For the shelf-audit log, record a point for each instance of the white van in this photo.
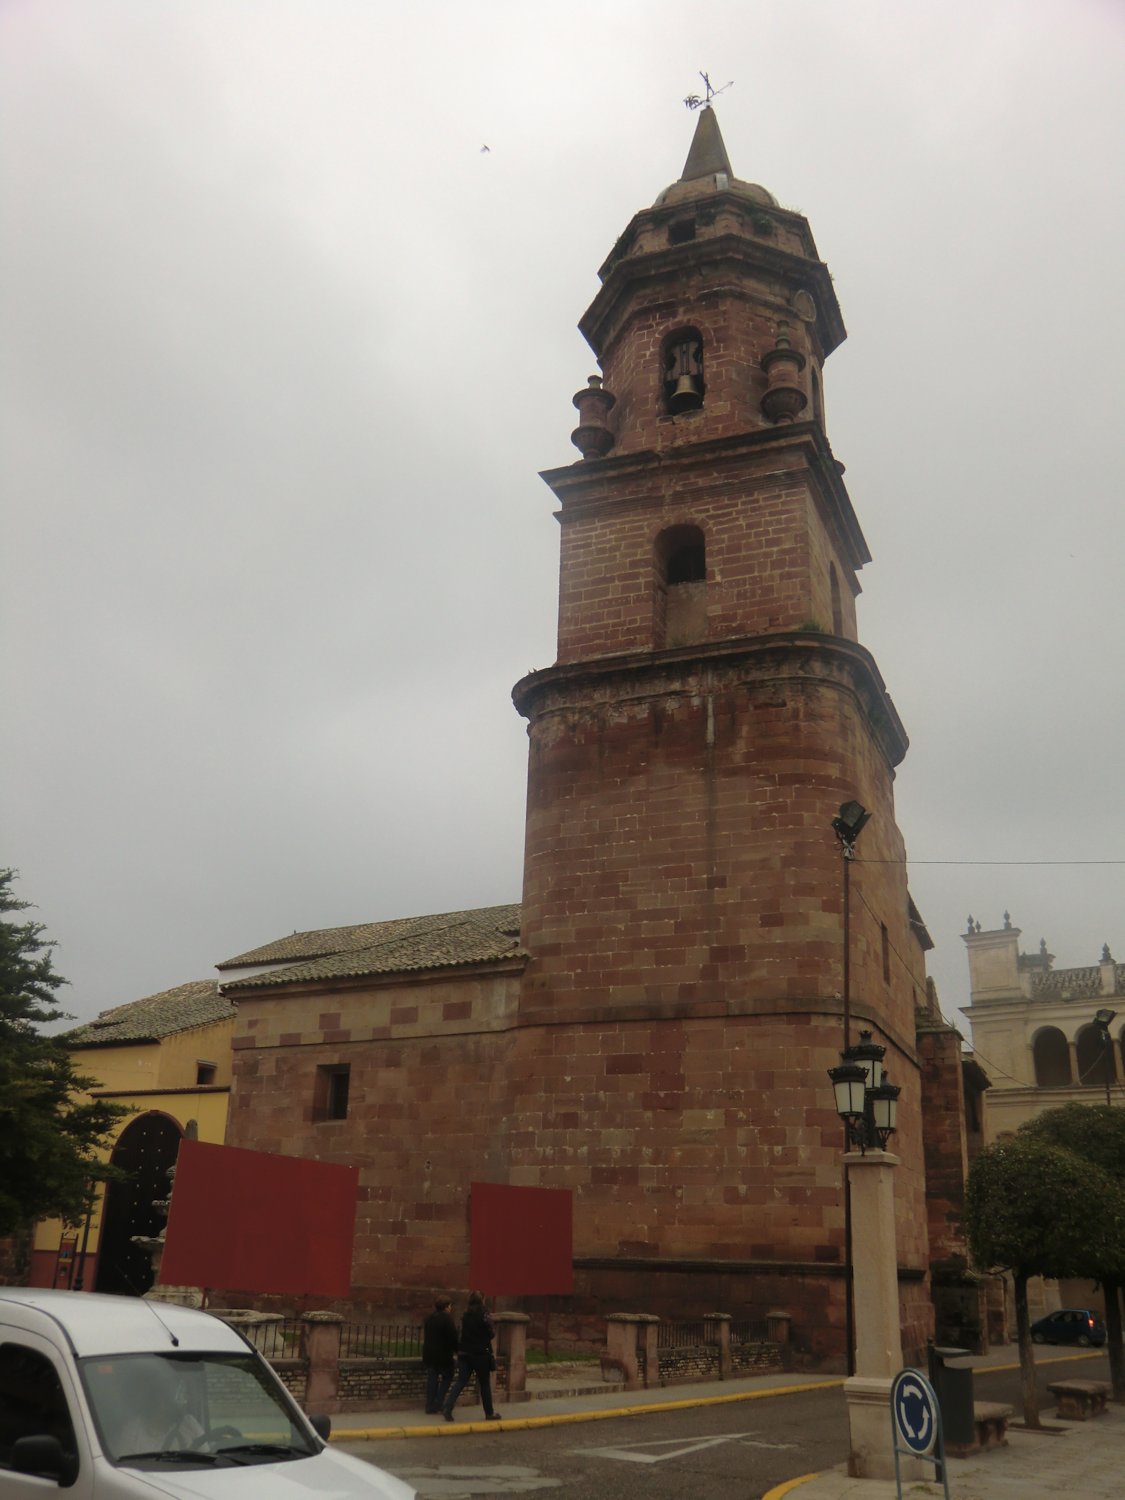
(116, 1398)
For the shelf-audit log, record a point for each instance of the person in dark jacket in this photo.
(439, 1349)
(474, 1357)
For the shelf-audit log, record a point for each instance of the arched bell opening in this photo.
(683, 385)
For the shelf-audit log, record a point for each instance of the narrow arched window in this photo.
(681, 587)
(837, 609)
(682, 380)
(1051, 1054)
(817, 404)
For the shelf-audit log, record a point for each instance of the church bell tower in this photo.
(709, 710)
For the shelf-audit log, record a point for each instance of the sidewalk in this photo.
(1085, 1460)
(1081, 1459)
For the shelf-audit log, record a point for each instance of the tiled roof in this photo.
(447, 940)
(181, 1009)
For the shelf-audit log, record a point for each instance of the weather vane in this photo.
(693, 101)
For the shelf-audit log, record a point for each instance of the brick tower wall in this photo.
(768, 549)
(683, 912)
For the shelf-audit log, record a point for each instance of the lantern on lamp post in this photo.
(866, 1100)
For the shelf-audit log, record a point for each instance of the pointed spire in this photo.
(708, 155)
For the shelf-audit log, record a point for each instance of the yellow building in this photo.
(167, 1059)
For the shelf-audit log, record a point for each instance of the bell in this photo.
(686, 395)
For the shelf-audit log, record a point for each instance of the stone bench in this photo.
(1079, 1399)
(991, 1421)
(990, 1428)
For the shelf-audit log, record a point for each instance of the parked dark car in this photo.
(1070, 1325)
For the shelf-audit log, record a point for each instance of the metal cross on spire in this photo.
(693, 101)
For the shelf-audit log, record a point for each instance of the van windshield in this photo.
(191, 1410)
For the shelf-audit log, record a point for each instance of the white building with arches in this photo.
(1037, 1030)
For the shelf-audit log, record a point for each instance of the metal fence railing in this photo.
(743, 1331)
(281, 1340)
(685, 1335)
(380, 1341)
(703, 1331)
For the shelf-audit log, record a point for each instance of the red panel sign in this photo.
(520, 1240)
(250, 1221)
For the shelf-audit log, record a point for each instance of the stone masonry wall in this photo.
(426, 1116)
(947, 1166)
(771, 531)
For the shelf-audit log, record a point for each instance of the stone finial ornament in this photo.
(1107, 956)
(592, 436)
(1007, 921)
(783, 399)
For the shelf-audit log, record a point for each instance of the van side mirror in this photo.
(44, 1455)
(322, 1426)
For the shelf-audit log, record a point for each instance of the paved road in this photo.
(712, 1451)
(742, 1449)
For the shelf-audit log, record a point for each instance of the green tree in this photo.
(1028, 1212)
(1095, 1132)
(49, 1129)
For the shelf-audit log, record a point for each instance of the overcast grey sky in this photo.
(284, 350)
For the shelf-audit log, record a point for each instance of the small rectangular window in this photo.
(681, 231)
(205, 1072)
(331, 1101)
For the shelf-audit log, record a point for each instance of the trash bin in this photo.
(953, 1385)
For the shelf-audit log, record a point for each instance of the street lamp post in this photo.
(1102, 1021)
(847, 825)
(867, 1104)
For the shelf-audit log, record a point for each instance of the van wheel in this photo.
(1037, 1338)
(1084, 1340)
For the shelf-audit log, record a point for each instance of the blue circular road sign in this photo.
(914, 1406)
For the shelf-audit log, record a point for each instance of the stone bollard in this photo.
(716, 1330)
(320, 1349)
(647, 1324)
(511, 1346)
(623, 1333)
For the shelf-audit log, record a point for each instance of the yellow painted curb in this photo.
(790, 1484)
(561, 1419)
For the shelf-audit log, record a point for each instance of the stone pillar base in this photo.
(871, 1454)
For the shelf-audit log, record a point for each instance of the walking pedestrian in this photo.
(474, 1357)
(439, 1349)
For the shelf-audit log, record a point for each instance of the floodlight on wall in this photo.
(849, 823)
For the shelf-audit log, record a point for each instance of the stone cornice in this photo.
(785, 656)
(640, 475)
(682, 1265)
(689, 263)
